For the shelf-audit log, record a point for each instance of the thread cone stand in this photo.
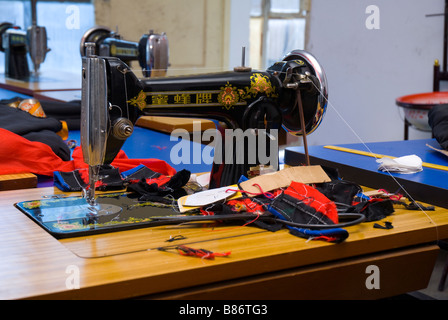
(302, 124)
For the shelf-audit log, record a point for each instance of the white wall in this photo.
(368, 69)
(239, 32)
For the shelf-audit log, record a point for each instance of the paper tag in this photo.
(203, 198)
(186, 204)
(283, 178)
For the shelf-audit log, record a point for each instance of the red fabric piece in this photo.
(313, 198)
(123, 163)
(20, 155)
(201, 253)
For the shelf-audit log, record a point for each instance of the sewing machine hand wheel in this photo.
(300, 71)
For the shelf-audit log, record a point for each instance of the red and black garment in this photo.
(303, 204)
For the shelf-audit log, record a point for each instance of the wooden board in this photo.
(47, 80)
(17, 181)
(169, 124)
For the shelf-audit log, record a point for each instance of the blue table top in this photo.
(6, 94)
(364, 169)
(145, 143)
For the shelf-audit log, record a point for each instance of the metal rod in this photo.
(302, 124)
(445, 30)
(34, 12)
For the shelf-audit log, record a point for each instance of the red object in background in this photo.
(423, 100)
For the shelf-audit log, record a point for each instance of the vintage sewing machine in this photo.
(151, 51)
(16, 43)
(291, 94)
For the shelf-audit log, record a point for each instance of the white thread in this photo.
(370, 151)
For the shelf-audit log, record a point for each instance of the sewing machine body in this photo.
(14, 45)
(241, 99)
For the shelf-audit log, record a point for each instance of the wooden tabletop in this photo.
(127, 264)
(46, 80)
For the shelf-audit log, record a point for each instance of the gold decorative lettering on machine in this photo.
(227, 97)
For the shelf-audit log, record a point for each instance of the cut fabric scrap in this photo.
(20, 155)
(199, 253)
(374, 209)
(142, 182)
(33, 128)
(306, 205)
(77, 180)
(156, 187)
(406, 164)
(387, 225)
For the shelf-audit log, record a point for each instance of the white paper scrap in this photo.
(406, 164)
(203, 198)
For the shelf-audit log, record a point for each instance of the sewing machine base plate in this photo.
(67, 217)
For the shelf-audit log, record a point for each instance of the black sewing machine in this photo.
(16, 43)
(291, 94)
(151, 51)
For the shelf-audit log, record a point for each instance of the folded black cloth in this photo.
(70, 111)
(51, 139)
(34, 129)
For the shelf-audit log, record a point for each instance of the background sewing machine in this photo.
(16, 43)
(151, 51)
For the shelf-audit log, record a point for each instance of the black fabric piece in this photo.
(70, 112)
(143, 173)
(110, 178)
(297, 211)
(152, 192)
(414, 206)
(374, 210)
(51, 139)
(438, 121)
(273, 227)
(34, 129)
(21, 122)
(339, 191)
(177, 181)
(387, 225)
(69, 181)
(332, 173)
